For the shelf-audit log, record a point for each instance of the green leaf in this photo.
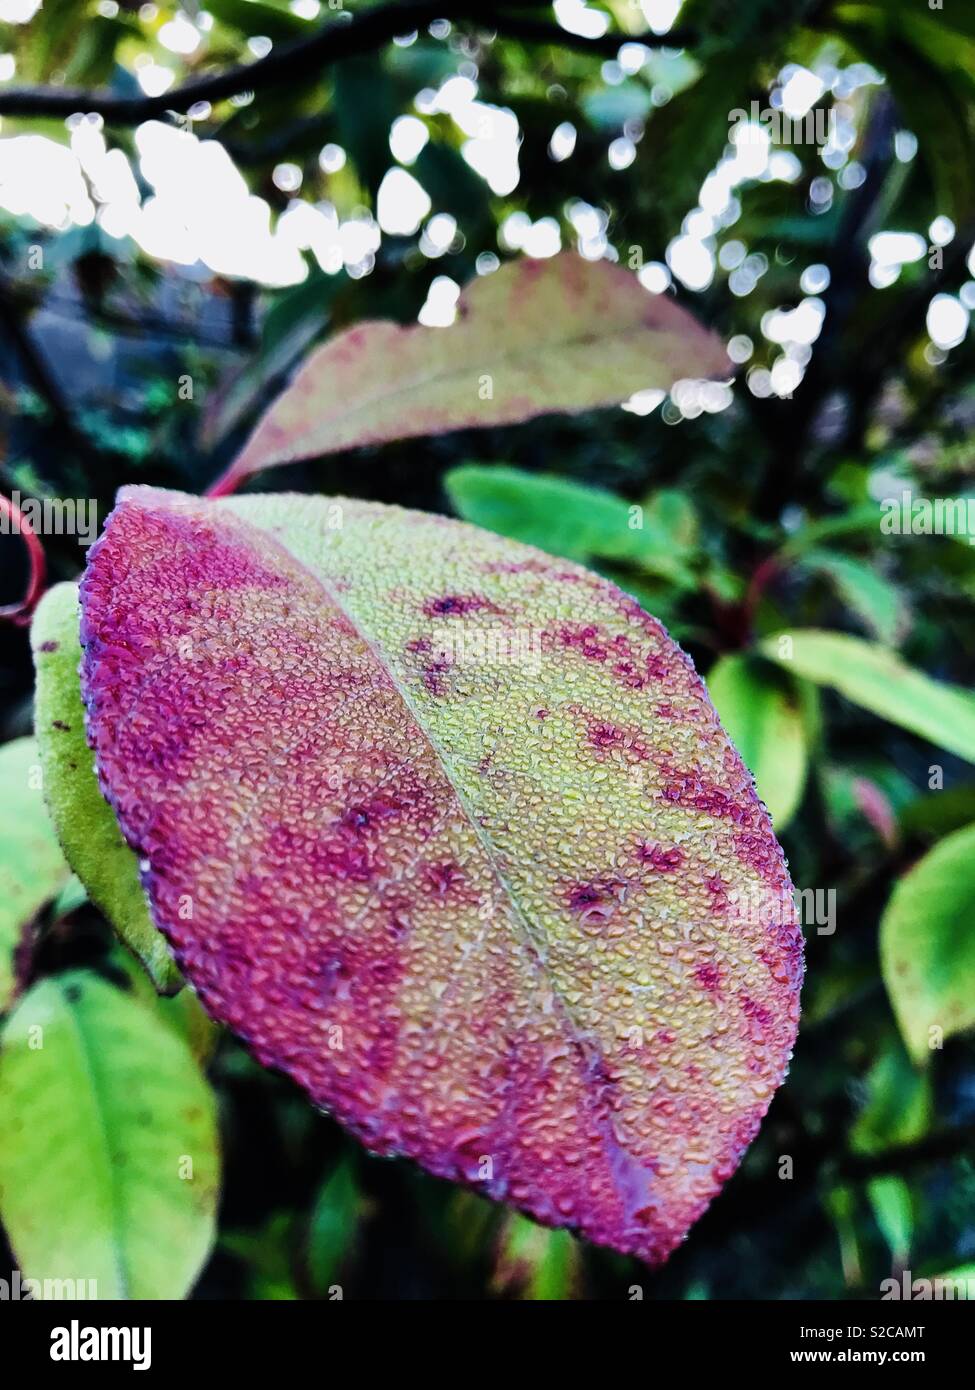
(672, 512)
(879, 681)
(332, 1226)
(536, 337)
(269, 1256)
(866, 593)
(452, 185)
(73, 895)
(893, 1207)
(927, 946)
(365, 105)
(258, 17)
(934, 98)
(109, 1166)
(425, 63)
(182, 1012)
(536, 1264)
(53, 36)
(562, 517)
(899, 1104)
(938, 813)
(841, 1204)
(963, 1279)
(945, 22)
(32, 868)
(762, 709)
(83, 820)
(859, 520)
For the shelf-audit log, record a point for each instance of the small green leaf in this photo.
(32, 867)
(365, 106)
(937, 813)
(82, 818)
(109, 1164)
(864, 592)
(858, 520)
(841, 1204)
(879, 681)
(762, 709)
(535, 1263)
(893, 1208)
(963, 1279)
(563, 517)
(927, 946)
(268, 1254)
(183, 1012)
(898, 1107)
(673, 512)
(73, 895)
(452, 184)
(259, 17)
(332, 1226)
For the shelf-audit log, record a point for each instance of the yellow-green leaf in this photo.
(84, 821)
(762, 709)
(877, 679)
(927, 945)
(109, 1164)
(877, 602)
(535, 1264)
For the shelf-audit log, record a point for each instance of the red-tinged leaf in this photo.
(562, 334)
(447, 830)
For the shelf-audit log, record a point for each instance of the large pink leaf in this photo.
(447, 830)
(563, 334)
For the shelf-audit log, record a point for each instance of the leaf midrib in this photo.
(84, 1054)
(584, 1041)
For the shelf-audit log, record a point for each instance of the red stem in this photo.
(20, 613)
(227, 483)
(760, 580)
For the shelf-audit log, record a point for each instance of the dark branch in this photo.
(304, 59)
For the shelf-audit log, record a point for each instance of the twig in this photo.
(20, 613)
(304, 59)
